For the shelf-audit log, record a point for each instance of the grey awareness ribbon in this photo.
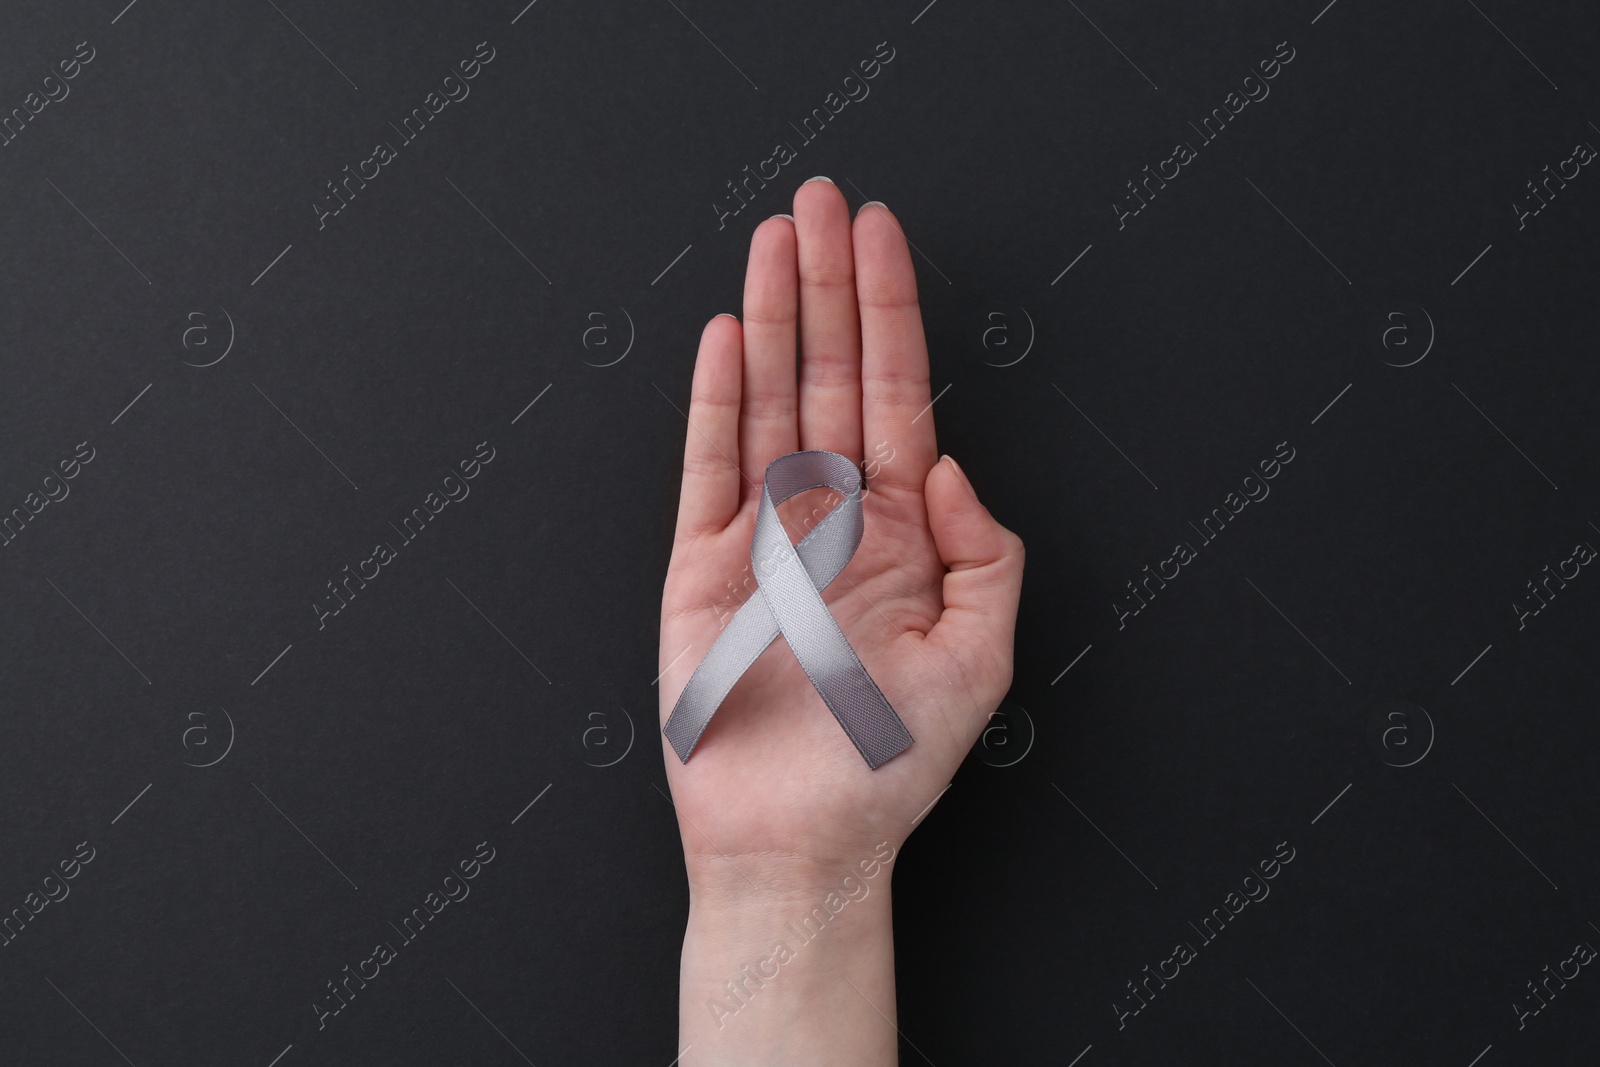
(788, 600)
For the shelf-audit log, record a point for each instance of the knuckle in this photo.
(701, 462)
(770, 314)
(826, 274)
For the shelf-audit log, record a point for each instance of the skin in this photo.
(776, 807)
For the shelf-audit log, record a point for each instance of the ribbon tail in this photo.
(747, 635)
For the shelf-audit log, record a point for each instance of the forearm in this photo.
(793, 977)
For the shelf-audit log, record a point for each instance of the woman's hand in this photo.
(775, 805)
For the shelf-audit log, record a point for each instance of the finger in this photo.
(767, 422)
(983, 586)
(895, 402)
(830, 327)
(711, 476)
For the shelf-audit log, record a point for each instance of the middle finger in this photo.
(830, 325)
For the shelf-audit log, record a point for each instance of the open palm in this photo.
(830, 355)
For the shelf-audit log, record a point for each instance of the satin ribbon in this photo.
(788, 600)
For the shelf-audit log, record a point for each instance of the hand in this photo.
(775, 797)
(777, 810)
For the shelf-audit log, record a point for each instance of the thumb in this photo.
(984, 582)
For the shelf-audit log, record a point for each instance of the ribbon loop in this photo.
(788, 600)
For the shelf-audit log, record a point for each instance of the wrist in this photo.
(793, 965)
(752, 881)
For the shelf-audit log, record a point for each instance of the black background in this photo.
(525, 239)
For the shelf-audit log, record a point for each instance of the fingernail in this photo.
(818, 178)
(784, 215)
(729, 314)
(872, 203)
(961, 474)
